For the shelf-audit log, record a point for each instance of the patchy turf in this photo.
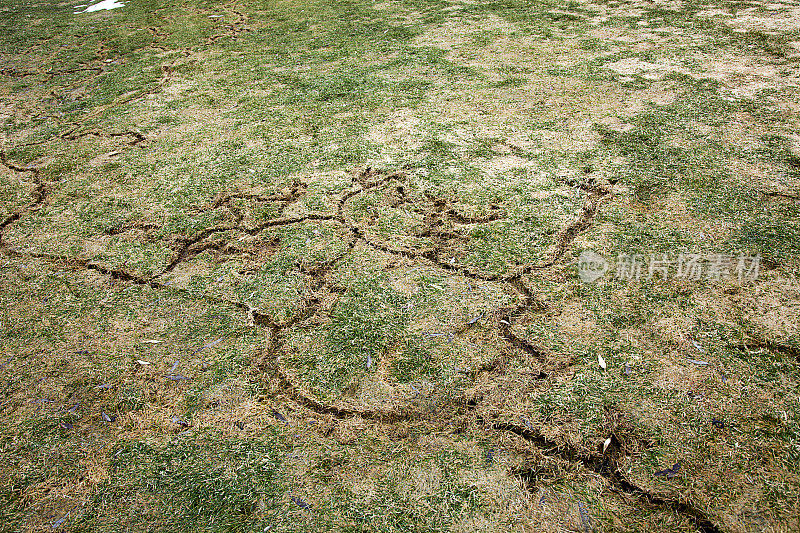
(306, 266)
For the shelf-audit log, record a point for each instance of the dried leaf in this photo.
(209, 345)
(669, 473)
(61, 520)
(300, 503)
(475, 319)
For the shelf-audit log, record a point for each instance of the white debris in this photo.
(105, 4)
(698, 346)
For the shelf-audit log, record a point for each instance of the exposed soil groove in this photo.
(770, 346)
(233, 29)
(293, 194)
(701, 521)
(116, 274)
(285, 221)
(589, 210)
(341, 412)
(137, 137)
(125, 228)
(192, 251)
(606, 466)
(565, 237)
(82, 264)
(366, 180)
(13, 166)
(39, 193)
(363, 182)
(6, 221)
(167, 71)
(784, 195)
(192, 247)
(120, 274)
(401, 252)
(311, 306)
(13, 73)
(543, 445)
(319, 272)
(433, 257)
(462, 219)
(522, 344)
(433, 223)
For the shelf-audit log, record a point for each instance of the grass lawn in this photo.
(322, 266)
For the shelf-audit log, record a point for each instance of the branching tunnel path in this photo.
(438, 214)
